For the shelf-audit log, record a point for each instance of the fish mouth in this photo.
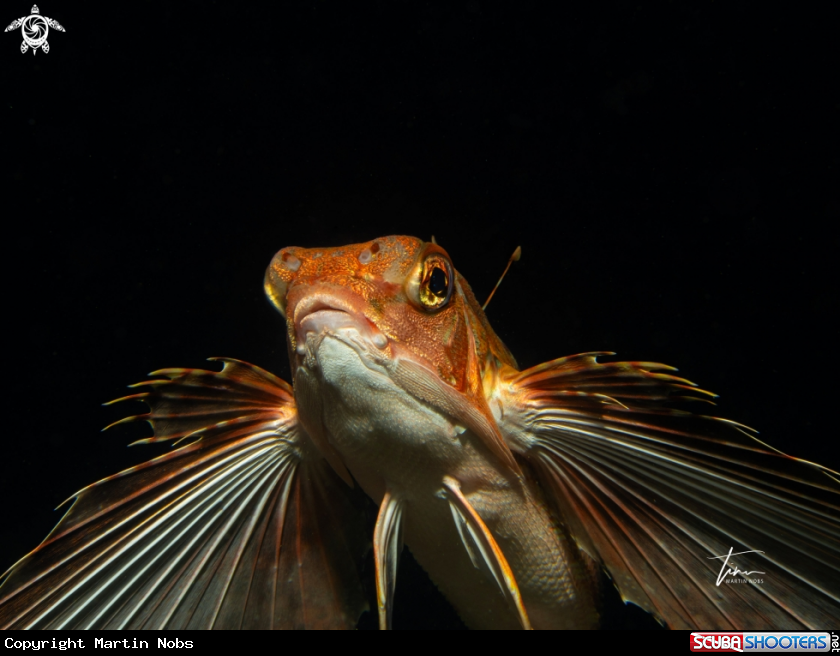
(320, 316)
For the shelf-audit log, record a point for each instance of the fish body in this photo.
(515, 490)
(351, 321)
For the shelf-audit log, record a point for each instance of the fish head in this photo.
(399, 295)
(379, 327)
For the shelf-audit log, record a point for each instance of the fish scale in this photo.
(381, 452)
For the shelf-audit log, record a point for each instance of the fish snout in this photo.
(279, 275)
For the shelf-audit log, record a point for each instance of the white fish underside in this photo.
(382, 433)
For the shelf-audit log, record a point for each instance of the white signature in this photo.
(725, 571)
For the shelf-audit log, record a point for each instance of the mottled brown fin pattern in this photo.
(243, 527)
(658, 495)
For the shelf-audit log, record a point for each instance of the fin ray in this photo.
(476, 537)
(658, 494)
(387, 546)
(203, 536)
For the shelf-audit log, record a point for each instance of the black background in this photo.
(670, 170)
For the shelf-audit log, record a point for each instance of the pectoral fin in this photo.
(245, 526)
(660, 495)
(387, 546)
(483, 549)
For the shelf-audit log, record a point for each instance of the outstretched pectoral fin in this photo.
(245, 526)
(387, 546)
(660, 495)
(482, 548)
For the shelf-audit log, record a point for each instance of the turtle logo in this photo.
(35, 29)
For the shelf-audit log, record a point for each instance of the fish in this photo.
(523, 493)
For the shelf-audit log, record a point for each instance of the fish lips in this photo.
(316, 318)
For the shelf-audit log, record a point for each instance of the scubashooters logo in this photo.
(34, 29)
(754, 641)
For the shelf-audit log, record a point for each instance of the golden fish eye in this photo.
(435, 282)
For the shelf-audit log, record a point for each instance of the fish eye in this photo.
(438, 282)
(435, 282)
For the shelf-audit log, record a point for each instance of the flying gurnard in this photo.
(521, 493)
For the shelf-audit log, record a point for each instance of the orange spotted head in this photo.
(399, 293)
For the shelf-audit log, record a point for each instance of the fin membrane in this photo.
(660, 495)
(245, 526)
